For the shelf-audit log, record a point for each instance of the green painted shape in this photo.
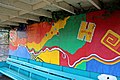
(81, 66)
(67, 39)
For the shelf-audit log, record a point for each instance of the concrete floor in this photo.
(5, 78)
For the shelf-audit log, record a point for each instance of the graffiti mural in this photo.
(52, 56)
(86, 33)
(86, 41)
(17, 44)
(112, 41)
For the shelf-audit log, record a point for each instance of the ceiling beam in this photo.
(18, 20)
(95, 3)
(30, 17)
(10, 12)
(65, 6)
(15, 8)
(42, 12)
(39, 5)
(23, 8)
(39, 12)
(62, 5)
(10, 23)
(59, 0)
(15, 4)
(4, 17)
(10, 7)
(31, 2)
(3, 25)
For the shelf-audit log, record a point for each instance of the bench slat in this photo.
(20, 76)
(60, 73)
(9, 74)
(46, 75)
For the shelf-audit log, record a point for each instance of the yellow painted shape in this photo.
(117, 43)
(49, 57)
(86, 32)
(57, 26)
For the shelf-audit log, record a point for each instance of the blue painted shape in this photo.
(99, 67)
(35, 62)
(76, 71)
(52, 66)
(20, 52)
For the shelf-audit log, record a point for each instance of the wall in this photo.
(4, 44)
(87, 41)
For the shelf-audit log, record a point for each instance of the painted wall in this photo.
(87, 41)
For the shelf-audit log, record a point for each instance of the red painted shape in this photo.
(36, 32)
(11, 47)
(104, 21)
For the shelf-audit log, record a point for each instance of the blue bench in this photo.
(24, 69)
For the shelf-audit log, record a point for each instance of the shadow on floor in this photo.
(5, 78)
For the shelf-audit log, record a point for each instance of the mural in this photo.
(85, 32)
(106, 77)
(87, 41)
(17, 44)
(112, 41)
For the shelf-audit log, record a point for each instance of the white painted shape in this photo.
(106, 77)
